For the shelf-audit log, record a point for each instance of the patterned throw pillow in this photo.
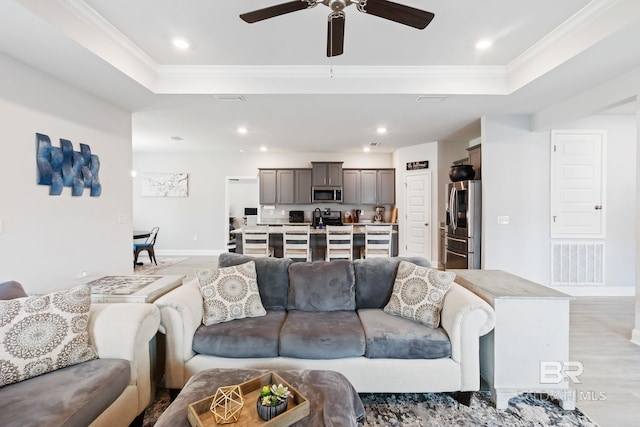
(418, 293)
(40, 334)
(230, 293)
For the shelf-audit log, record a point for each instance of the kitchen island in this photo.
(319, 240)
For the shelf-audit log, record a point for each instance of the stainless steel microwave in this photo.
(327, 194)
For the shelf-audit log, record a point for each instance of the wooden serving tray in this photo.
(199, 414)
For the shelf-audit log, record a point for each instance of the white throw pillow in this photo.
(230, 293)
(418, 293)
(40, 334)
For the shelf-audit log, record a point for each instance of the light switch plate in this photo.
(503, 220)
(1, 229)
(122, 218)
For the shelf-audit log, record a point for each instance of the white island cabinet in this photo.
(528, 350)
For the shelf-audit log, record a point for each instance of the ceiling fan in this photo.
(400, 13)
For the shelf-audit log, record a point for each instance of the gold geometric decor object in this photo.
(227, 404)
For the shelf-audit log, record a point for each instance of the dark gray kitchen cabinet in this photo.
(369, 186)
(303, 186)
(285, 185)
(351, 186)
(386, 186)
(327, 174)
(267, 179)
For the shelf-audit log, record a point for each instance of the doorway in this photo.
(417, 235)
(240, 192)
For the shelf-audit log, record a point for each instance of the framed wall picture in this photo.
(165, 184)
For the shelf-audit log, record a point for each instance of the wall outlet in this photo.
(195, 237)
(1, 228)
(503, 219)
(123, 218)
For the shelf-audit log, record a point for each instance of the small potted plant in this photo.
(272, 401)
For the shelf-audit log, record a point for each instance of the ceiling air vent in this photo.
(431, 98)
(229, 98)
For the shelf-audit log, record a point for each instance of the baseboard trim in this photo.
(189, 252)
(597, 291)
(635, 336)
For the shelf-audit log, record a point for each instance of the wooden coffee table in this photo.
(333, 400)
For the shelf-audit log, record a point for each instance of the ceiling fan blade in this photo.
(335, 34)
(399, 13)
(277, 10)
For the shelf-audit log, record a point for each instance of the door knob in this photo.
(598, 207)
(426, 224)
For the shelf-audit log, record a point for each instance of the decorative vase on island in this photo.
(268, 412)
(461, 173)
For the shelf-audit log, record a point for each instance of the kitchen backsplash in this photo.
(280, 213)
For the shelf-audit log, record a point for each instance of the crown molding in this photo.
(593, 23)
(332, 79)
(96, 21)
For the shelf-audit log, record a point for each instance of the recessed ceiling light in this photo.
(381, 130)
(177, 138)
(366, 149)
(181, 43)
(242, 130)
(484, 44)
(263, 148)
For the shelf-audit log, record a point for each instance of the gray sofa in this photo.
(113, 390)
(329, 315)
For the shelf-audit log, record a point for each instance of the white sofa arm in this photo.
(123, 331)
(181, 313)
(466, 317)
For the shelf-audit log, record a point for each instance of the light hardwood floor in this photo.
(609, 392)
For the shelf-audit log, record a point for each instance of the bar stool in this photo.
(377, 241)
(295, 242)
(255, 241)
(339, 242)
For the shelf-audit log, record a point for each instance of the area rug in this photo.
(150, 268)
(441, 410)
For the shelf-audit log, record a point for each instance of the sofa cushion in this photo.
(322, 286)
(11, 290)
(375, 278)
(250, 337)
(394, 337)
(40, 334)
(273, 277)
(73, 396)
(230, 293)
(418, 293)
(322, 335)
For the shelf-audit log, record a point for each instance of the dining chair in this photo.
(377, 241)
(295, 242)
(339, 242)
(255, 241)
(148, 246)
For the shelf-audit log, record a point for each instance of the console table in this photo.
(532, 328)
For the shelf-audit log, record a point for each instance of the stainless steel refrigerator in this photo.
(464, 224)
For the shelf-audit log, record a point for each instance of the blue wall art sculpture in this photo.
(62, 167)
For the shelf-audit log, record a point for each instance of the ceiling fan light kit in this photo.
(385, 9)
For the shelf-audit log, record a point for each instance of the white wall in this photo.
(429, 152)
(515, 172)
(203, 212)
(515, 182)
(47, 241)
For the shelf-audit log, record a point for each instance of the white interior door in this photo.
(418, 215)
(577, 183)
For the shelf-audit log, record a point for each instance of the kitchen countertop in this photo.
(276, 229)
